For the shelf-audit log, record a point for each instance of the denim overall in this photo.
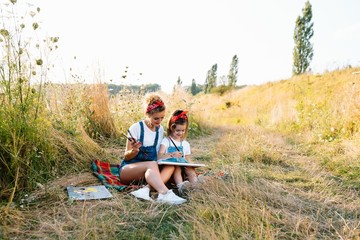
(147, 153)
(172, 149)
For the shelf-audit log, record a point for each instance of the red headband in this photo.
(154, 105)
(182, 115)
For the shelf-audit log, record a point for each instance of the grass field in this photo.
(260, 185)
(282, 162)
(282, 159)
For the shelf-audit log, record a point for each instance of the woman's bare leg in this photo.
(136, 171)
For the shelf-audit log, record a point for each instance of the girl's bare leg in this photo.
(136, 171)
(191, 174)
(177, 175)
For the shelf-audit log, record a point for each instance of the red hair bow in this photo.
(154, 105)
(182, 115)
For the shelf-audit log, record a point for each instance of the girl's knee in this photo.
(168, 168)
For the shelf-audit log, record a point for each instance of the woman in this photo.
(141, 151)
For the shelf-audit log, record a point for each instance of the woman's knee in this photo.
(153, 165)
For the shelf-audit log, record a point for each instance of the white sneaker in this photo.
(142, 193)
(170, 198)
(183, 186)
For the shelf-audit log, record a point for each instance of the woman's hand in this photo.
(136, 147)
(133, 148)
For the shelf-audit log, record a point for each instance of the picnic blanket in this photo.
(108, 174)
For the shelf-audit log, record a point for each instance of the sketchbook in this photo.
(87, 193)
(170, 161)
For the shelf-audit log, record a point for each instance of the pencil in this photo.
(132, 139)
(176, 146)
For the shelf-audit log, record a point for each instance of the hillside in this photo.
(332, 99)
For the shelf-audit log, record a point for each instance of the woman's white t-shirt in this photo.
(149, 136)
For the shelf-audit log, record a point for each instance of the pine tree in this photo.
(232, 76)
(303, 50)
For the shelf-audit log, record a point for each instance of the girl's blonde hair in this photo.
(178, 117)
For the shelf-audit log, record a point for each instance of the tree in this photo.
(151, 87)
(211, 78)
(232, 76)
(179, 82)
(303, 50)
(193, 87)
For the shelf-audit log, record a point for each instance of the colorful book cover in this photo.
(87, 193)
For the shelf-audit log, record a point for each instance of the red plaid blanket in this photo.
(108, 174)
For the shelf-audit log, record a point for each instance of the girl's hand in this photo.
(176, 154)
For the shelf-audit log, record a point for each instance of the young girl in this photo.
(177, 129)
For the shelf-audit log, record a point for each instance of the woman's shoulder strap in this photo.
(141, 131)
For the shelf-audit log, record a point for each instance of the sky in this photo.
(158, 41)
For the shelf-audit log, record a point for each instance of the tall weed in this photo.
(27, 154)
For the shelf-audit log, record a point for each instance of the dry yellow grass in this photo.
(269, 173)
(103, 121)
(279, 193)
(313, 102)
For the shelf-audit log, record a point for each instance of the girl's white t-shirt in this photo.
(149, 136)
(185, 144)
